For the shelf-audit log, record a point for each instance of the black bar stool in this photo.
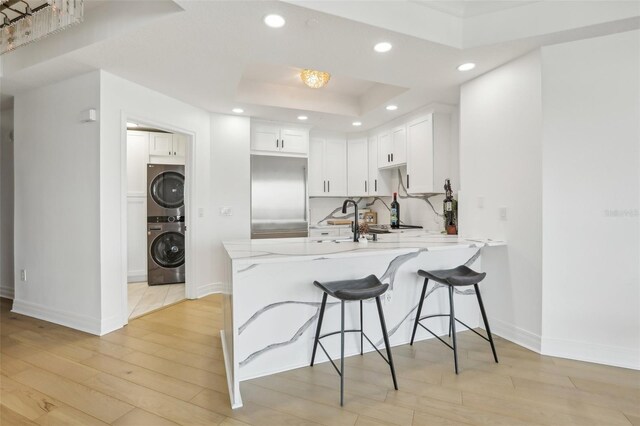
(457, 277)
(352, 290)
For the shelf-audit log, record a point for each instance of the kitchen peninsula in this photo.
(271, 305)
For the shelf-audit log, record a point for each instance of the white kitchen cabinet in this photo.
(379, 180)
(167, 148)
(392, 147)
(358, 168)
(327, 167)
(269, 138)
(428, 153)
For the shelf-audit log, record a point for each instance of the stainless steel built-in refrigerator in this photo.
(278, 197)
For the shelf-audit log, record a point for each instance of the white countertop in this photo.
(291, 249)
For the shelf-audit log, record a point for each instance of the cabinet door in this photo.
(137, 159)
(316, 182)
(335, 167)
(294, 141)
(160, 143)
(399, 143)
(420, 155)
(384, 150)
(265, 137)
(358, 168)
(379, 180)
(179, 145)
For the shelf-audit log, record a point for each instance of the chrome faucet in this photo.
(355, 221)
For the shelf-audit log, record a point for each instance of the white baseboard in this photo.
(207, 289)
(78, 322)
(516, 335)
(7, 292)
(592, 352)
(137, 277)
(111, 324)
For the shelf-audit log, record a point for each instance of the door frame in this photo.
(189, 202)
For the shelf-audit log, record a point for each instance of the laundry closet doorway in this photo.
(156, 212)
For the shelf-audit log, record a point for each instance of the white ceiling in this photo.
(219, 55)
(465, 9)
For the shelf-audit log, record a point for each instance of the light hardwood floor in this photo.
(166, 368)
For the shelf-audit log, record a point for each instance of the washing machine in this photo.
(165, 197)
(166, 251)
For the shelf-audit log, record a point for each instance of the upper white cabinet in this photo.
(428, 153)
(358, 168)
(167, 148)
(392, 147)
(327, 167)
(137, 159)
(269, 138)
(379, 180)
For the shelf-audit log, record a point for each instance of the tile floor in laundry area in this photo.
(144, 298)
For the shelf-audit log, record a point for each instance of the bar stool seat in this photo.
(457, 277)
(361, 289)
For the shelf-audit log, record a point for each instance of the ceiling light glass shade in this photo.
(392, 107)
(357, 123)
(37, 20)
(314, 79)
(237, 110)
(302, 117)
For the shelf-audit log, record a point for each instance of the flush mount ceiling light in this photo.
(237, 110)
(130, 124)
(302, 117)
(467, 67)
(314, 79)
(382, 47)
(357, 123)
(274, 21)
(391, 107)
(25, 21)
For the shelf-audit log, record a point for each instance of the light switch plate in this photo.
(480, 202)
(502, 212)
(225, 211)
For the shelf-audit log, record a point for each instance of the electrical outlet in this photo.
(225, 211)
(23, 275)
(480, 202)
(388, 296)
(200, 212)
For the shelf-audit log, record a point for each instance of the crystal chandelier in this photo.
(24, 21)
(314, 79)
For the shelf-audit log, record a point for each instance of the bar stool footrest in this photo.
(438, 337)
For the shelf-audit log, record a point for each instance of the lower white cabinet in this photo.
(428, 153)
(327, 167)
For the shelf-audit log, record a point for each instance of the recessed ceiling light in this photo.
(357, 123)
(467, 67)
(130, 124)
(302, 117)
(382, 47)
(238, 110)
(392, 107)
(274, 21)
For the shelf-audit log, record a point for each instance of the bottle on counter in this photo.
(450, 210)
(395, 212)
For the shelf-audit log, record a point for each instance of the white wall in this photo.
(57, 171)
(6, 203)
(230, 187)
(121, 99)
(500, 162)
(591, 187)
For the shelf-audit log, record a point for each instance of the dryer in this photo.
(166, 252)
(165, 196)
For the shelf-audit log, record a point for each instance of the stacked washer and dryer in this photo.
(165, 224)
